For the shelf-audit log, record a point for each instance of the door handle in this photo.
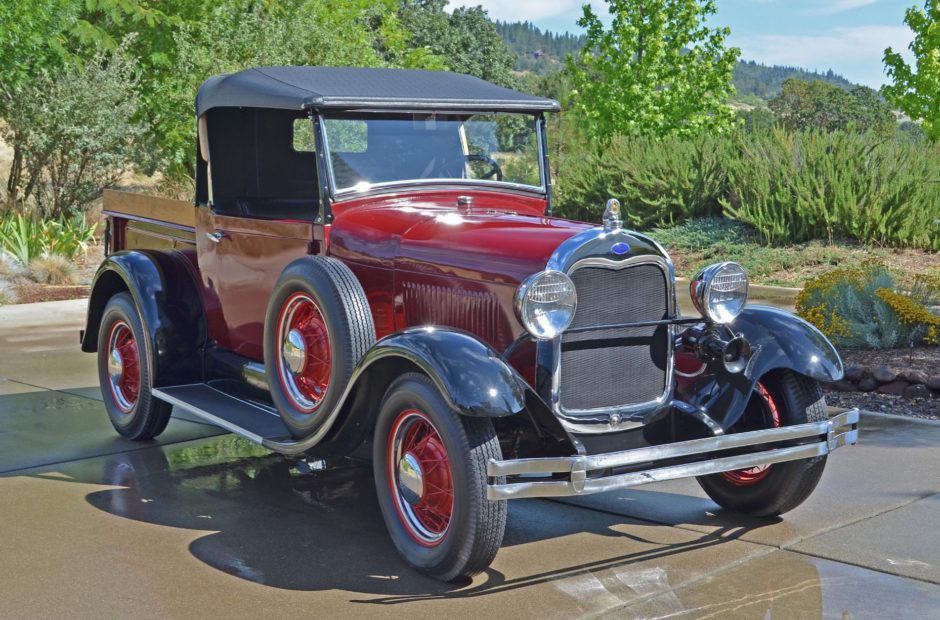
(216, 236)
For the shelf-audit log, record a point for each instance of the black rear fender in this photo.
(164, 288)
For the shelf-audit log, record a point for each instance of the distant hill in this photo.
(764, 82)
(538, 51)
(542, 52)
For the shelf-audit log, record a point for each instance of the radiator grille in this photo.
(621, 366)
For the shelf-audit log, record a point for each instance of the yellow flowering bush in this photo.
(870, 307)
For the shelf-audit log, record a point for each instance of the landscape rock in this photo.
(895, 387)
(842, 386)
(933, 382)
(868, 385)
(854, 373)
(883, 374)
(918, 390)
(913, 376)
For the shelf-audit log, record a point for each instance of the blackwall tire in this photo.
(126, 372)
(447, 542)
(317, 327)
(781, 487)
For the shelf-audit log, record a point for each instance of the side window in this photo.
(304, 141)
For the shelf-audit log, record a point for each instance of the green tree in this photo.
(821, 105)
(75, 131)
(465, 41)
(916, 90)
(658, 70)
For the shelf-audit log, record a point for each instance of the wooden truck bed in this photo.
(142, 222)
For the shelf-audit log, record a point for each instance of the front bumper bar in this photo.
(572, 475)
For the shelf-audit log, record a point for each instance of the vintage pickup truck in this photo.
(371, 264)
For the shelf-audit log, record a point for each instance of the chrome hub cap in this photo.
(305, 362)
(295, 351)
(115, 366)
(410, 479)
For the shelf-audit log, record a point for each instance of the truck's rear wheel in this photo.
(430, 478)
(125, 372)
(782, 398)
(317, 328)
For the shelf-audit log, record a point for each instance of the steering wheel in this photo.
(495, 170)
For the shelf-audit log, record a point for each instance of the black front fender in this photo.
(163, 287)
(779, 340)
(474, 379)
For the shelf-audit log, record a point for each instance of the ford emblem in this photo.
(620, 248)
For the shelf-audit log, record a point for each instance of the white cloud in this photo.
(832, 7)
(857, 51)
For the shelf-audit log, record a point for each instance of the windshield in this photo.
(371, 149)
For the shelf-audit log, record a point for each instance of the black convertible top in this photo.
(347, 88)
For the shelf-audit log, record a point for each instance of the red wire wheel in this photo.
(304, 363)
(420, 477)
(771, 414)
(123, 366)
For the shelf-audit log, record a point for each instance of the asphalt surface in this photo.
(203, 524)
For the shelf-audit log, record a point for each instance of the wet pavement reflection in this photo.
(258, 518)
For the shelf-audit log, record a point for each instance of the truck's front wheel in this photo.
(126, 372)
(782, 398)
(430, 477)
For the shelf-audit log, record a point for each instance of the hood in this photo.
(503, 248)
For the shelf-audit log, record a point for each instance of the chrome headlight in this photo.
(545, 304)
(719, 292)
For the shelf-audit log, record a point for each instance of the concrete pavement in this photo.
(204, 524)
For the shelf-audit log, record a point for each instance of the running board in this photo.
(256, 423)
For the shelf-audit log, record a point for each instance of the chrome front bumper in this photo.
(565, 476)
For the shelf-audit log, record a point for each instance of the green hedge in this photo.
(790, 186)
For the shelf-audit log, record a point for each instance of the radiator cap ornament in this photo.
(612, 221)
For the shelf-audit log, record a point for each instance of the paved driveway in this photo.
(202, 524)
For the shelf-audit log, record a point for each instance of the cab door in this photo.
(240, 259)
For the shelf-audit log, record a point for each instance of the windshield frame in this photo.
(337, 194)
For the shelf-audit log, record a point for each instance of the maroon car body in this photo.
(371, 263)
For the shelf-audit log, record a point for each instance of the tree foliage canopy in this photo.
(820, 105)
(916, 90)
(658, 70)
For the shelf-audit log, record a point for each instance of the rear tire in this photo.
(126, 372)
(447, 540)
(781, 487)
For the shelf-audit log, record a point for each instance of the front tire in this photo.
(781, 398)
(126, 372)
(430, 478)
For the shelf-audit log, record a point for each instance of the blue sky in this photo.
(848, 36)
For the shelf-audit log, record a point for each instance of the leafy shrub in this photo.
(867, 307)
(658, 181)
(52, 269)
(27, 237)
(793, 187)
(67, 236)
(7, 293)
(74, 131)
(21, 236)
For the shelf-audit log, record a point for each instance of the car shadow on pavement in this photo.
(269, 523)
